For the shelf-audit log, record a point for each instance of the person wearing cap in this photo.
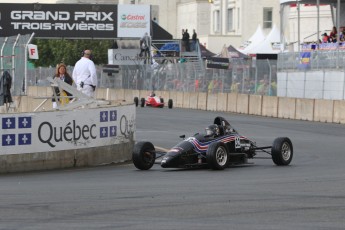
(62, 74)
(84, 74)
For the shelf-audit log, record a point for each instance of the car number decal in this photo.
(237, 142)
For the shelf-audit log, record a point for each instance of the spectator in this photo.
(194, 42)
(235, 86)
(325, 38)
(186, 40)
(145, 45)
(62, 74)
(84, 74)
(183, 48)
(342, 35)
(333, 35)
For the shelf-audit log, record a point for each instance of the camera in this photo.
(82, 84)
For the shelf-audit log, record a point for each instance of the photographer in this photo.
(84, 74)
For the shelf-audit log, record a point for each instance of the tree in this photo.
(54, 51)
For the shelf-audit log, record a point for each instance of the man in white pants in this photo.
(84, 74)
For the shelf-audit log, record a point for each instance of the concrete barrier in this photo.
(323, 110)
(269, 106)
(66, 159)
(222, 102)
(255, 104)
(82, 137)
(186, 98)
(179, 99)
(339, 112)
(232, 102)
(202, 101)
(193, 100)
(212, 100)
(286, 107)
(242, 103)
(305, 109)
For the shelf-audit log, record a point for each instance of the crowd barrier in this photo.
(320, 110)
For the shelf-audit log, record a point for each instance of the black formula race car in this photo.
(221, 147)
(152, 101)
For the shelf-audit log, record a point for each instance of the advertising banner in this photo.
(65, 130)
(218, 63)
(59, 20)
(125, 57)
(133, 21)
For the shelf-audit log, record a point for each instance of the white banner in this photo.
(124, 57)
(133, 21)
(65, 130)
(33, 52)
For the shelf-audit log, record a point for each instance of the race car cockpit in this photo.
(224, 126)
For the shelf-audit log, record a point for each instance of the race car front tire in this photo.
(142, 102)
(282, 151)
(136, 101)
(144, 155)
(217, 156)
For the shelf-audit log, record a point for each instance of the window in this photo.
(267, 18)
(230, 20)
(216, 21)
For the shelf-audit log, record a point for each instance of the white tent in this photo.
(271, 44)
(257, 38)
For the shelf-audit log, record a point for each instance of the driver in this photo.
(152, 94)
(212, 130)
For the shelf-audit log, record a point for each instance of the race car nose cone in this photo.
(168, 162)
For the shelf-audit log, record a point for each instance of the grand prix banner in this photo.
(74, 20)
(66, 130)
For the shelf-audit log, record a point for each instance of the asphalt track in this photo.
(308, 194)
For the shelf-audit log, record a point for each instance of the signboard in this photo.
(133, 21)
(218, 63)
(124, 57)
(59, 20)
(33, 52)
(65, 130)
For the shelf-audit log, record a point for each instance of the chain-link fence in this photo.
(244, 76)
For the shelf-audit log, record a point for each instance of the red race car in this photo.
(153, 101)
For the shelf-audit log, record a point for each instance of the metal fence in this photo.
(312, 60)
(13, 51)
(244, 76)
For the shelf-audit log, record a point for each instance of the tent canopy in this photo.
(253, 41)
(205, 53)
(271, 44)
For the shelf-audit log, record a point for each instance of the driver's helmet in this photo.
(152, 94)
(212, 130)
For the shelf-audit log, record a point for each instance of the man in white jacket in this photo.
(84, 74)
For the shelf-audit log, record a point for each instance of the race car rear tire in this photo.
(170, 103)
(142, 102)
(282, 151)
(217, 156)
(144, 155)
(136, 101)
